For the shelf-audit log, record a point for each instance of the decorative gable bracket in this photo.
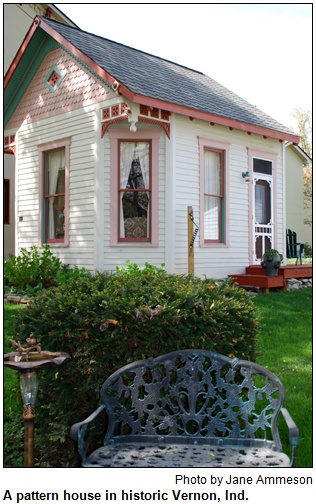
(114, 114)
(9, 145)
(121, 111)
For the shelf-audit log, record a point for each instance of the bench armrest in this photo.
(293, 432)
(77, 431)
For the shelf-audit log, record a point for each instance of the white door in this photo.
(262, 212)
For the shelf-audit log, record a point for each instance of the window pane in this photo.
(261, 166)
(212, 218)
(134, 165)
(212, 173)
(55, 172)
(55, 218)
(135, 209)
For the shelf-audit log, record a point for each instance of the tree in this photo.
(304, 129)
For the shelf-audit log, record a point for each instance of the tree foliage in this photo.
(304, 129)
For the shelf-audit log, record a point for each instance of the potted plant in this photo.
(271, 262)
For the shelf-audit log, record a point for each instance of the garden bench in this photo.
(294, 250)
(190, 408)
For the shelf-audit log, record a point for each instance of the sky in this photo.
(261, 52)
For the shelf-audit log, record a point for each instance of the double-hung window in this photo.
(134, 188)
(214, 179)
(54, 196)
(213, 195)
(53, 216)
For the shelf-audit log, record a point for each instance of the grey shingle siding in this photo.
(155, 77)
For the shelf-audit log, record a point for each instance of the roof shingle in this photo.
(154, 77)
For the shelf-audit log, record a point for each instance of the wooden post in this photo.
(190, 236)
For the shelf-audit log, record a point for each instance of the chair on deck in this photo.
(293, 249)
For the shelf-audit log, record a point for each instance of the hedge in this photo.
(106, 321)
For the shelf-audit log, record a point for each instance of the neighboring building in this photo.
(113, 144)
(17, 21)
(295, 159)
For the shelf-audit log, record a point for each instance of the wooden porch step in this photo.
(288, 271)
(263, 281)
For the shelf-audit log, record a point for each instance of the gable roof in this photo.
(299, 151)
(150, 80)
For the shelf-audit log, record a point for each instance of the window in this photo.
(54, 196)
(53, 221)
(214, 163)
(213, 195)
(6, 201)
(134, 191)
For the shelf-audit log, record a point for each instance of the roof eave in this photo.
(212, 118)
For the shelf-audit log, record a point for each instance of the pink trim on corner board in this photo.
(42, 148)
(268, 156)
(140, 135)
(224, 147)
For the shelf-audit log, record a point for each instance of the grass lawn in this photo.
(286, 338)
(286, 342)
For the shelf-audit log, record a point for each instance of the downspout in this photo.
(284, 204)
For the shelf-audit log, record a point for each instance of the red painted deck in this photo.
(255, 276)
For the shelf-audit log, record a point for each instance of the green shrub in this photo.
(133, 268)
(308, 249)
(65, 275)
(106, 321)
(31, 268)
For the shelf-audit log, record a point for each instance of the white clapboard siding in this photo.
(80, 126)
(216, 260)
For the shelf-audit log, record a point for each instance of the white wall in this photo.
(218, 261)
(80, 125)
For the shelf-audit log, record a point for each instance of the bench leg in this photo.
(265, 290)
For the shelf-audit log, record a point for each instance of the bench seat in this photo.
(184, 455)
(190, 408)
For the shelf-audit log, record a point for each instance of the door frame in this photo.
(267, 156)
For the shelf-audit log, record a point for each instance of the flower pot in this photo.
(271, 265)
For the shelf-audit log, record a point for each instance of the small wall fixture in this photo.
(246, 176)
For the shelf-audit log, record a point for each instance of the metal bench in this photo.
(190, 408)
(294, 250)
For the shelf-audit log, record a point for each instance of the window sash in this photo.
(51, 223)
(123, 178)
(213, 195)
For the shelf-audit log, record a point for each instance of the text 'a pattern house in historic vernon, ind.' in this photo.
(113, 144)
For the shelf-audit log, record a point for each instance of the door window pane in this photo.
(262, 166)
(262, 202)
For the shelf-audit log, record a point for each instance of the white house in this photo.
(112, 145)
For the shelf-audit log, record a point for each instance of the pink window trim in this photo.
(140, 135)
(149, 190)
(42, 148)
(268, 156)
(225, 147)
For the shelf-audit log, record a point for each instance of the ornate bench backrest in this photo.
(193, 393)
